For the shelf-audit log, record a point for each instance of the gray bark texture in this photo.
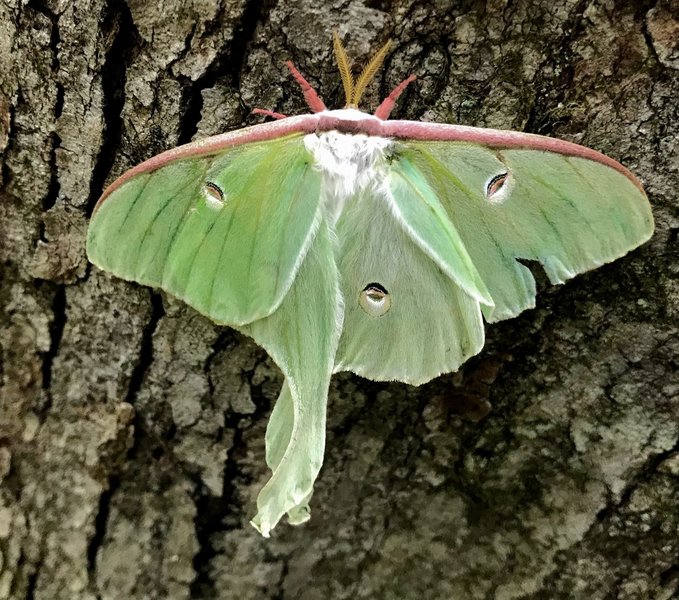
(132, 428)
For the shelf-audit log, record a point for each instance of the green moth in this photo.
(343, 241)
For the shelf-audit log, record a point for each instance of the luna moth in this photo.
(343, 241)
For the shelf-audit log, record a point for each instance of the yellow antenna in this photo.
(369, 72)
(344, 67)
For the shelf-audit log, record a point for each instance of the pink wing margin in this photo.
(372, 126)
(215, 144)
(500, 139)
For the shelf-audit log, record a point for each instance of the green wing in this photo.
(570, 213)
(301, 337)
(433, 324)
(226, 233)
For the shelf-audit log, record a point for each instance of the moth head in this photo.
(353, 89)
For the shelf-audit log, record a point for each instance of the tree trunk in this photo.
(132, 428)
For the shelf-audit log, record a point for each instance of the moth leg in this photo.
(268, 113)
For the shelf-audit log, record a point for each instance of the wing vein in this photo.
(150, 225)
(180, 226)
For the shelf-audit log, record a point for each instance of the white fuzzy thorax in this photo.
(348, 162)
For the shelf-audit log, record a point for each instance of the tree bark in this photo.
(132, 428)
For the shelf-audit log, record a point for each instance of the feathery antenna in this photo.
(344, 67)
(369, 72)
(353, 90)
